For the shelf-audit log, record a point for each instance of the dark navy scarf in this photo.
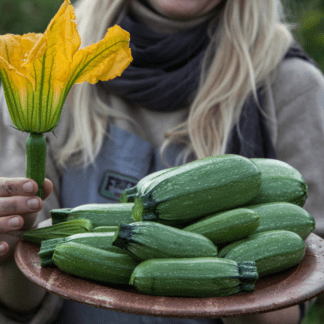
(164, 76)
(165, 70)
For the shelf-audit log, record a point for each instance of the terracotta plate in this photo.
(282, 290)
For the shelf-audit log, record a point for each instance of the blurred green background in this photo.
(308, 15)
(24, 16)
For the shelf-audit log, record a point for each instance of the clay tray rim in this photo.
(271, 293)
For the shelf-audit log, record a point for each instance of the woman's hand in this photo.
(18, 209)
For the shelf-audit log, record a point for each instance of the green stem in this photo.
(36, 160)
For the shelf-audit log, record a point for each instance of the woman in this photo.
(191, 92)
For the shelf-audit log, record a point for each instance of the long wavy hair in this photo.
(247, 45)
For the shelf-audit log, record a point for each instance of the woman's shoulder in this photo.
(295, 77)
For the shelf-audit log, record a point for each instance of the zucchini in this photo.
(129, 194)
(272, 251)
(280, 182)
(60, 215)
(109, 214)
(284, 216)
(92, 263)
(194, 277)
(226, 226)
(198, 189)
(58, 230)
(104, 229)
(36, 148)
(99, 240)
(150, 240)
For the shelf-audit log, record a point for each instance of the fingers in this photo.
(23, 187)
(8, 224)
(17, 187)
(18, 209)
(9, 243)
(16, 222)
(19, 205)
(17, 197)
(12, 223)
(4, 249)
(47, 188)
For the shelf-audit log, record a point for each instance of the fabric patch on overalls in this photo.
(123, 160)
(113, 184)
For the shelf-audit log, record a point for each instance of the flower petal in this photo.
(57, 46)
(104, 60)
(14, 50)
(32, 111)
(19, 97)
(52, 104)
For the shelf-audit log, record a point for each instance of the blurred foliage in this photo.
(308, 15)
(25, 16)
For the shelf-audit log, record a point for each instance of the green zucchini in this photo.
(104, 229)
(194, 277)
(58, 230)
(227, 226)
(280, 182)
(92, 263)
(284, 216)
(60, 215)
(198, 189)
(129, 194)
(99, 240)
(109, 214)
(150, 240)
(36, 149)
(272, 251)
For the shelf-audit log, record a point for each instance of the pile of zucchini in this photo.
(211, 227)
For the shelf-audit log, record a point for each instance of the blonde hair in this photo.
(245, 48)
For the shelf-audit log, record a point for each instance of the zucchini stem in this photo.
(36, 148)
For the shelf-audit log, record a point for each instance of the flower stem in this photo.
(36, 160)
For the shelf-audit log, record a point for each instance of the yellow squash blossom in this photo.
(39, 70)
